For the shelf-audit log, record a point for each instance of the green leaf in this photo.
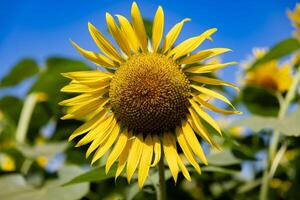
(51, 81)
(260, 101)
(223, 158)
(20, 72)
(284, 48)
(289, 125)
(148, 26)
(96, 174)
(48, 149)
(14, 187)
(11, 107)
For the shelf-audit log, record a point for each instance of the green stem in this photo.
(162, 195)
(284, 105)
(25, 116)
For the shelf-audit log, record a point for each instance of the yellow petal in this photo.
(193, 141)
(96, 58)
(170, 152)
(104, 44)
(80, 88)
(157, 150)
(196, 124)
(158, 28)
(185, 172)
(117, 34)
(134, 156)
(207, 68)
(172, 35)
(212, 81)
(123, 157)
(186, 149)
(98, 132)
(145, 160)
(118, 148)
(92, 123)
(206, 117)
(80, 111)
(190, 44)
(215, 108)
(86, 75)
(128, 31)
(138, 26)
(105, 145)
(80, 99)
(204, 54)
(211, 93)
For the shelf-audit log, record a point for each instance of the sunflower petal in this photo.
(145, 160)
(157, 150)
(184, 170)
(96, 58)
(215, 108)
(206, 117)
(86, 75)
(193, 141)
(107, 143)
(211, 93)
(117, 34)
(204, 54)
(128, 31)
(190, 44)
(138, 26)
(123, 157)
(104, 44)
(87, 126)
(170, 153)
(207, 68)
(118, 149)
(212, 81)
(158, 28)
(172, 35)
(186, 149)
(134, 156)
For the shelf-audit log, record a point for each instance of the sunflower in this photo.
(295, 19)
(148, 99)
(270, 75)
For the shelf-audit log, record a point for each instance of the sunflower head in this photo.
(151, 97)
(270, 75)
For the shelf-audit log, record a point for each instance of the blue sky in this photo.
(42, 28)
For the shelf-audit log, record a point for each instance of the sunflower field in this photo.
(147, 106)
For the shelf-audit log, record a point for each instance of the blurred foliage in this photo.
(46, 167)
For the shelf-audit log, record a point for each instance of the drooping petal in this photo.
(96, 58)
(186, 149)
(104, 45)
(145, 160)
(207, 68)
(128, 31)
(172, 35)
(170, 153)
(157, 150)
(117, 34)
(98, 132)
(118, 149)
(190, 44)
(105, 145)
(184, 170)
(211, 93)
(212, 81)
(203, 54)
(206, 117)
(87, 126)
(134, 156)
(123, 157)
(215, 108)
(138, 26)
(158, 28)
(193, 141)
